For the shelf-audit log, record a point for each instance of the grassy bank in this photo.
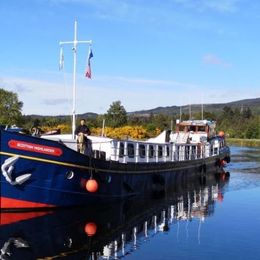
(243, 142)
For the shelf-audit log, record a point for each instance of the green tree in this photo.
(228, 112)
(253, 131)
(116, 115)
(162, 121)
(210, 116)
(10, 108)
(247, 113)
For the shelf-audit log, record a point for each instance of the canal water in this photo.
(219, 219)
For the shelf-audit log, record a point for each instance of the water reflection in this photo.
(245, 167)
(108, 231)
(245, 154)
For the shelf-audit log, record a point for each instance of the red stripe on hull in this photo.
(8, 203)
(9, 218)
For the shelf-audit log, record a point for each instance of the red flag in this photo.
(88, 71)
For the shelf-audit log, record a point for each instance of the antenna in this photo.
(75, 43)
(202, 109)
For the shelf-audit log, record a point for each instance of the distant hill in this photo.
(85, 115)
(253, 104)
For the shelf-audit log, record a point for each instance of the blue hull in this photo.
(58, 175)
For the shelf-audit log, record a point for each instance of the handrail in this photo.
(177, 152)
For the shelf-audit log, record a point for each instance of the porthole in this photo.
(69, 175)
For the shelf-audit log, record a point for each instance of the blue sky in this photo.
(146, 53)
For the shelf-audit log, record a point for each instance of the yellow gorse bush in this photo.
(64, 129)
(126, 132)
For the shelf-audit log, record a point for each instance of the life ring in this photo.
(35, 131)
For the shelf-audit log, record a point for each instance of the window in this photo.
(167, 151)
(130, 150)
(151, 151)
(160, 151)
(121, 150)
(192, 128)
(142, 150)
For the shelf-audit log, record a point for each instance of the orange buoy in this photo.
(221, 133)
(92, 185)
(220, 197)
(90, 229)
(223, 162)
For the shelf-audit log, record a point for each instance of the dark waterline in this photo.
(216, 220)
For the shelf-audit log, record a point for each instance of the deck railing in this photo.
(127, 151)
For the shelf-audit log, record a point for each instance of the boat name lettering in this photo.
(20, 145)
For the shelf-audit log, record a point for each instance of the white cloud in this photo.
(168, 14)
(213, 59)
(55, 101)
(53, 98)
(123, 6)
(214, 5)
(37, 91)
(156, 11)
(106, 9)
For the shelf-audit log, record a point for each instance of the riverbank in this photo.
(243, 142)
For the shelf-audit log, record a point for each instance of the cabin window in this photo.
(160, 151)
(121, 150)
(142, 150)
(167, 151)
(130, 150)
(201, 128)
(192, 128)
(151, 151)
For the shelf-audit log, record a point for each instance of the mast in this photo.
(75, 43)
(74, 81)
(103, 127)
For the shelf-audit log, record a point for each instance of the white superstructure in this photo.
(193, 139)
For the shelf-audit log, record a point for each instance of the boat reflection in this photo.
(107, 231)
